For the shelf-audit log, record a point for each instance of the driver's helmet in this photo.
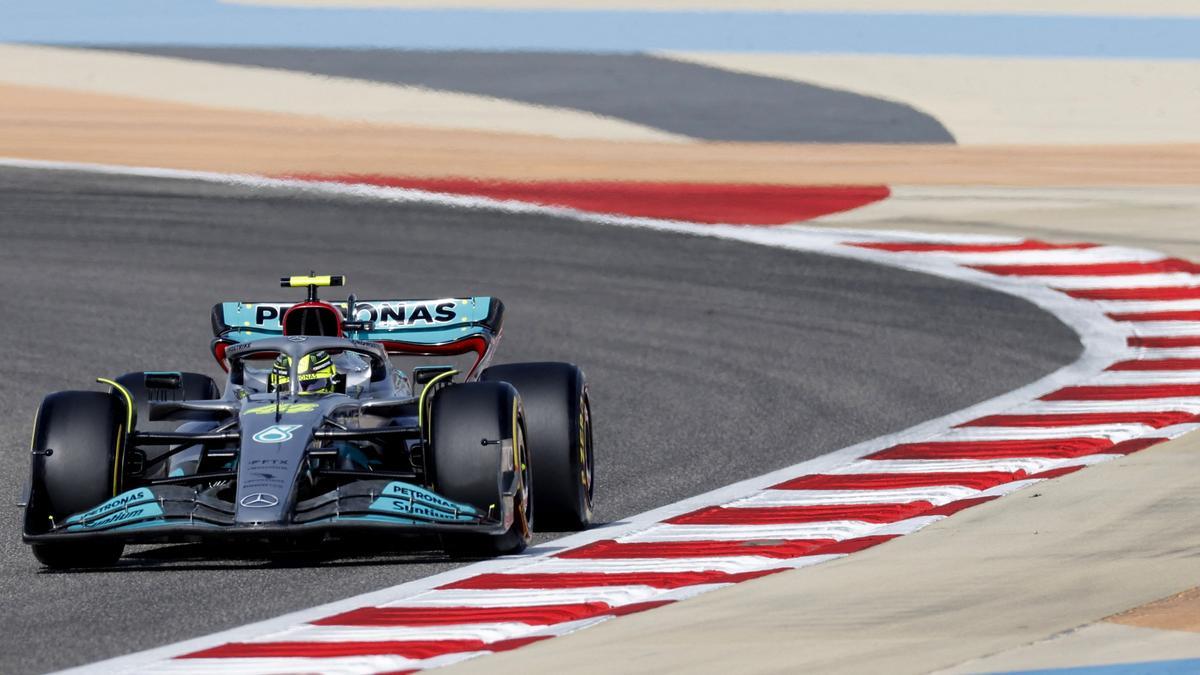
(316, 372)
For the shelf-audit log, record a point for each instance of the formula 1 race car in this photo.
(318, 435)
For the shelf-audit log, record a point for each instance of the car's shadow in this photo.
(213, 556)
(216, 557)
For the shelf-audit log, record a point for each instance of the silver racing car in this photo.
(318, 435)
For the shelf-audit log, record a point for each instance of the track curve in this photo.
(684, 340)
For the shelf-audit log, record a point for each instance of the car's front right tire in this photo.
(78, 442)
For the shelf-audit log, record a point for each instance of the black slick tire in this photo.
(558, 424)
(477, 444)
(78, 441)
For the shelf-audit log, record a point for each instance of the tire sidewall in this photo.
(559, 436)
(77, 457)
(461, 417)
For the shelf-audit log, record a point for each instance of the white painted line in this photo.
(909, 526)
(613, 595)
(1140, 306)
(1029, 465)
(1163, 328)
(1149, 405)
(832, 529)
(1142, 377)
(1157, 280)
(937, 495)
(1176, 431)
(345, 665)
(729, 565)
(1115, 432)
(1102, 254)
(1007, 488)
(486, 632)
(1166, 353)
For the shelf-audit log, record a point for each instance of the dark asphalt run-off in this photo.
(709, 361)
(690, 99)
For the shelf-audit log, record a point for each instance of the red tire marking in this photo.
(665, 580)
(1053, 448)
(715, 515)
(848, 546)
(774, 515)
(958, 505)
(1093, 269)
(615, 550)
(411, 649)
(1157, 364)
(917, 247)
(1055, 473)
(734, 203)
(1163, 293)
(980, 480)
(1136, 445)
(1157, 420)
(1176, 342)
(1123, 392)
(533, 615)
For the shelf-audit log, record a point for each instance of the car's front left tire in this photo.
(559, 424)
(477, 443)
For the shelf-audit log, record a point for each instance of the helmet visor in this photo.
(316, 385)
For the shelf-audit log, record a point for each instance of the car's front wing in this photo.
(172, 513)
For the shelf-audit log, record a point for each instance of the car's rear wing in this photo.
(443, 326)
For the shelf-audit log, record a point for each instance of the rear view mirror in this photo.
(423, 374)
(163, 380)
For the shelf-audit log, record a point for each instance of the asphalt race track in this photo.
(685, 341)
(682, 98)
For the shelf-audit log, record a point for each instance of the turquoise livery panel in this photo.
(406, 500)
(425, 322)
(109, 512)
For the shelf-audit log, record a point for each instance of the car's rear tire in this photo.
(558, 423)
(78, 446)
(466, 469)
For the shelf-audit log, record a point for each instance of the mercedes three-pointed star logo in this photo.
(259, 500)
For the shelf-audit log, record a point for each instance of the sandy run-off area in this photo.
(1106, 123)
(65, 125)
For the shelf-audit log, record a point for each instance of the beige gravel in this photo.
(1160, 218)
(268, 90)
(1097, 644)
(58, 124)
(1022, 101)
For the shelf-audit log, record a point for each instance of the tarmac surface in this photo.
(683, 338)
(690, 99)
